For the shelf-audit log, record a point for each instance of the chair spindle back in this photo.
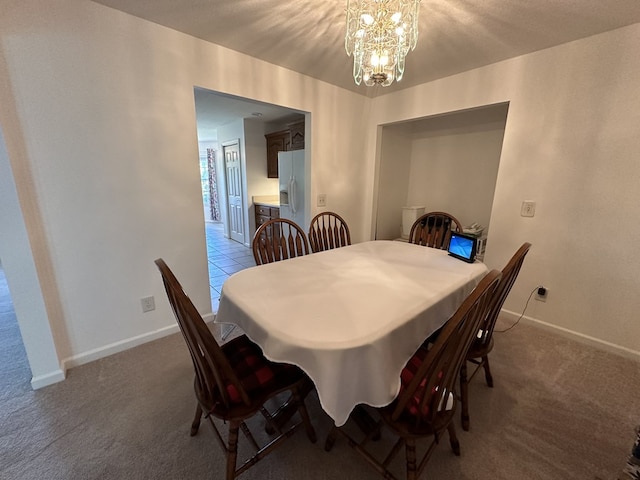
(279, 239)
(328, 230)
(434, 229)
(213, 372)
(436, 377)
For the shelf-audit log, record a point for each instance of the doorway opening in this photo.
(233, 159)
(15, 373)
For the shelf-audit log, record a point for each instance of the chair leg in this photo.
(232, 450)
(331, 438)
(195, 425)
(367, 424)
(487, 371)
(412, 468)
(453, 439)
(289, 408)
(304, 414)
(464, 397)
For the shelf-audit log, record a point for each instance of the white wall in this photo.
(24, 281)
(455, 169)
(104, 102)
(393, 181)
(445, 163)
(570, 144)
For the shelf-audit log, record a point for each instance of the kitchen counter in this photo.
(267, 200)
(267, 207)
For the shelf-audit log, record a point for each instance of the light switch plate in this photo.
(322, 200)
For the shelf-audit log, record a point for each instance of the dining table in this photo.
(350, 317)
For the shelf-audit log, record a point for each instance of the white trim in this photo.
(579, 337)
(61, 374)
(123, 345)
(117, 347)
(49, 379)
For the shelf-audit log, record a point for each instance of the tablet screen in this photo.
(463, 247)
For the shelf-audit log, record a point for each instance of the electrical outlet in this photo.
(541, 294)
(322, 200)
(528, 208)
(148, 304)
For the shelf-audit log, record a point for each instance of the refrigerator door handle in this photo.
(292, 195)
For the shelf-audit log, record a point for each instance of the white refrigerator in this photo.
(291, 175)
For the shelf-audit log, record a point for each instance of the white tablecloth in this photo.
(350, 317)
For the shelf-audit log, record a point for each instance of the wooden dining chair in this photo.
(434, 229)
(483, 343)
(328, 230)
(233, 381)
(425, 405)
(279, 239)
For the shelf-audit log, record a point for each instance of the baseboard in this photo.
(49, 379)
(579, 337)
(123, 345)
(118, 347)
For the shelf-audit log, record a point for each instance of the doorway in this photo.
(233, 178)
(27, 300)
(226, 126)
(15, 373)
(209, 181)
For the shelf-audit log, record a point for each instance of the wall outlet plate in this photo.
(542, 298)
(528, 208)
(148, 304)
(322, 200)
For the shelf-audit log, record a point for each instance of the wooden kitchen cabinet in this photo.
(297, 136)
(264, 213)
(283, 141)
(276, 142)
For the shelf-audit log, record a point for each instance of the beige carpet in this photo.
(559, 410)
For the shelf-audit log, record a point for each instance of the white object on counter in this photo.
(269, 200)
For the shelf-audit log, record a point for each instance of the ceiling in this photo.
(216, 109)
(455, 35)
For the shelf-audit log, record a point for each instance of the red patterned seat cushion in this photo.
(406, 376)
(256, 374)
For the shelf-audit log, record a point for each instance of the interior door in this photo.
(234, 191)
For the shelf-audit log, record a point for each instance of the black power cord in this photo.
(525, 309)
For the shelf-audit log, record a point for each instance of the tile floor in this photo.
(226, 257)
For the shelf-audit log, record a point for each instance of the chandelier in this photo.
(380, 33)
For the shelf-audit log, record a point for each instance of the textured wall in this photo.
(571, 145)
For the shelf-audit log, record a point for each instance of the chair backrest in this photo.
(279, 239)
(509, 275)
(435, 378)
(434, 229)
(214, 374)
(328, 230)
